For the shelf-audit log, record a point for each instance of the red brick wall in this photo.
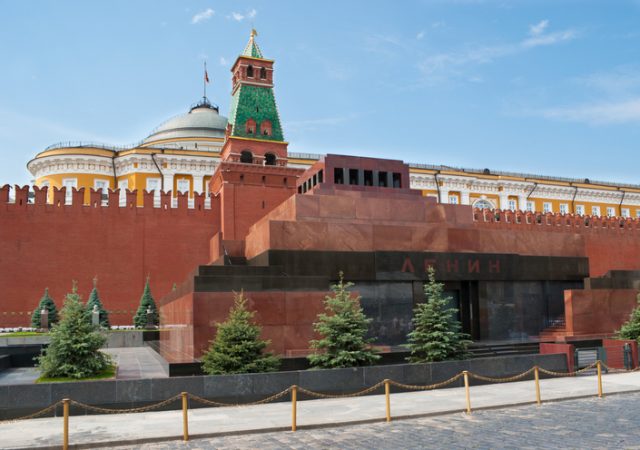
(48, 246)
(567, 349)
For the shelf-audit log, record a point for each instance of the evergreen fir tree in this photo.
(140, 320)
(94, 299)
(436, 334)
(74, 350)
(343, 329)
(237, 347)
(46, 302)
(631, 328)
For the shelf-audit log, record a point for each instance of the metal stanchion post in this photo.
(65, 421)
(466, 389)
(537, 378)
(599, 366)
(294, 407)
(185, 417)
(388, 400)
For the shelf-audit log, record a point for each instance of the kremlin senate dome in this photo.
(202, 121)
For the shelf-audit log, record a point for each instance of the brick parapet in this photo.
(40, 200)
(552, 221)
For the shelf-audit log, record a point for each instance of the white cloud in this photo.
(202, 16)
(420, 35)
(620, 80)
(223, 61)
(627, 111)
(443, 65)
(538, 28)
(239, 17)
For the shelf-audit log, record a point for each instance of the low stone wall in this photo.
(17, 400)
(133, 338)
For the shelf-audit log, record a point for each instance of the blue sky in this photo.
(536, 86)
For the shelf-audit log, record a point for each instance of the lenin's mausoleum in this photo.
(208, 205)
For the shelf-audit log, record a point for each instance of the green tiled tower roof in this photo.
(255, 102)
(252, 50)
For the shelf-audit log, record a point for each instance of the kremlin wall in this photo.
(208, 205)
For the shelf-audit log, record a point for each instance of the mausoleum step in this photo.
(505, 349)
(205, 271)
(255, 283)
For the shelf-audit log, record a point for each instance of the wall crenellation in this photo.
(58, 198)
(553, 221)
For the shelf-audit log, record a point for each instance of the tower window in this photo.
(397, 180)
(382, 179)
(250, 71)
(250, 126)
(338, 175)
(263, 73)
(265, 128)
(269, 159)
(246, 157)
(368, 178)
(353, 176)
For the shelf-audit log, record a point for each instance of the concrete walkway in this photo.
(109, 430)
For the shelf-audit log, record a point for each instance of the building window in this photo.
(512, 205)
(153, 185)
(69, 183)
(531, 207)
(625, 213)
(104, 185)
(611, 212)
(269, 159)
(595, 210)
(397, 180)
(368, 178)
(263, 73)
(182, 185)
(338, 175)
(546, 207)
(382, 179)
(250, 126)
(265, 128)
(453, 199)
(353, 176)
(123, 185)
(483, 204)
(246, 157)
(564, 208)
(250, 71)
(580, 210)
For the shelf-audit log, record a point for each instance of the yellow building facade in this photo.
(183, 152)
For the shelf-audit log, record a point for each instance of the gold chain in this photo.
(502, 380)
(353, 394)
(426, 387)
(259, 402)
(34, 415)
(567, 374)
(125, 411)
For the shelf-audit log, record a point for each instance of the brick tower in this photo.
(254, 133)
(253, 177)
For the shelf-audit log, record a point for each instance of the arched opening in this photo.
(263, 73)
(269, 159)
(265, 128)
(250, 126)
(246, 157)
(483, 204)
(250, 71)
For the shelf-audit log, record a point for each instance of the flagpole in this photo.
(204, 80)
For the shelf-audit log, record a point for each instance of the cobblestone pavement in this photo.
(610, 423)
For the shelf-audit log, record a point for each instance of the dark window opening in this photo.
(246, 157)
(263, 204)
(264, 179)
(382, 179)
(263, 73)
(315, 179)
(250, 71)
(320, 176)
(299, 189)
(368, 178)
(284, 181)
(338, 175)
(269, 159)
(397, 180)
(241, 177)
(353, 176)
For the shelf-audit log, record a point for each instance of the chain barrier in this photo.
(502, 380)
(315, 394)
(426, 387)
(568, 374)
(35, 414)
(207, 402)
(353, 394)
(126, 411)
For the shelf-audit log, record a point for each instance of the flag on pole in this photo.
(206, 76)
